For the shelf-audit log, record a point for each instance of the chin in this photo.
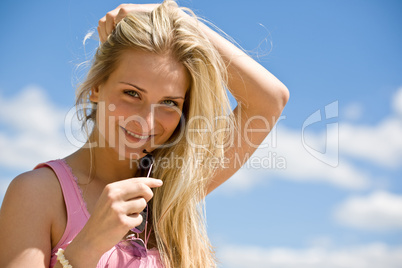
(126, 153)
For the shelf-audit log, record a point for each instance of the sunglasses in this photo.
(132, 244)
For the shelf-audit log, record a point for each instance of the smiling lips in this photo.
(141, 137)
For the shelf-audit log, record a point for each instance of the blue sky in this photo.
(307, 214)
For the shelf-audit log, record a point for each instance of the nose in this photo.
(150, 121)
(144, 120)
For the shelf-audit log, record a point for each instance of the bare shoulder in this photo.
(38, 180)
(26, 218)
(36, 189)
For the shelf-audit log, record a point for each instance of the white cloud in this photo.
(353, 111)
(30, 110)
(363, 256)
(377, 211)
(323, 241)
(34, 130)
(3, 187)
(287, 158)
(301, 165)
(397, 102)
(380, 144)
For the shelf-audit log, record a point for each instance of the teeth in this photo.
(137, 136)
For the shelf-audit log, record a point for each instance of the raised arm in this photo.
(261, 98)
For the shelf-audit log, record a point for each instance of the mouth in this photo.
(136, 136)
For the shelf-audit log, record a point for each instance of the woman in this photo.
(156, 89)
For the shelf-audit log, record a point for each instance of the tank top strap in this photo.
(68, 182)
(77, 213)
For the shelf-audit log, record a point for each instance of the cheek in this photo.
(170, 121)
(120, 109)
(110, 115)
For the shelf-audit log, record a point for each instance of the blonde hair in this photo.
(177, 207)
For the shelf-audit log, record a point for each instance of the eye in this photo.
(132, 93)
(169, 103)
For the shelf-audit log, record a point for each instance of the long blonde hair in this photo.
(177, 207)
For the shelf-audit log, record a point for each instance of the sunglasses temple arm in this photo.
(150, 169)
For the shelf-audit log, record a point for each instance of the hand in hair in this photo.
(109, 21)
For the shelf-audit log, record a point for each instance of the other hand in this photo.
(109, 21)
(116, 212)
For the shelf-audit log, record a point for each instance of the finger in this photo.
(142, 190)
(138, 187)
(123, 11)
(101, 37)
(134, 220)
(134, 206)
(102, 29)
(150, 182)
(110, 20)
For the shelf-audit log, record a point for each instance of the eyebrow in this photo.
(143, 90)
(140, 89)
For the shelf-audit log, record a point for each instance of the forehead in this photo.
(152, 71)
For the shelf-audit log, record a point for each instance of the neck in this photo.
(101, 164)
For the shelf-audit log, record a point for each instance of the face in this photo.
(140, 104)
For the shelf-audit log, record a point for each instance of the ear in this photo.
(94, 97)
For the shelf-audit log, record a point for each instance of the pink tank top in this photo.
(78, 215)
